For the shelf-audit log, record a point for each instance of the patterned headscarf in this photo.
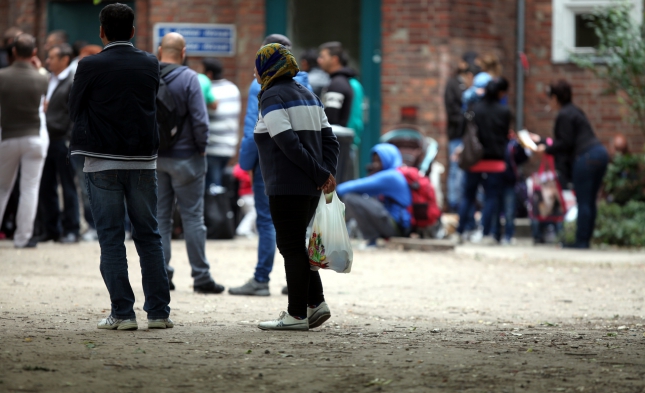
(274, 61)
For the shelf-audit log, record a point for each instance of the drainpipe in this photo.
(519, 105)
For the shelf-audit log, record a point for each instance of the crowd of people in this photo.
(143, 139)
(477, 96)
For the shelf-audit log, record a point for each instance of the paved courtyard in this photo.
(478, 319)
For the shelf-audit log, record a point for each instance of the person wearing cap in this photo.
(298, 155)
(258, 285)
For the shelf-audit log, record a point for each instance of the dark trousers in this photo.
(56, 167)
(291, 215)
(588, 170)
(78, 162)
(492, 183)
(373, 220)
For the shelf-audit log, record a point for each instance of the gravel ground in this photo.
(474, 320)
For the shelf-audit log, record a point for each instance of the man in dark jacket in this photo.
(337, 97)
(181, 169)
(59, 127)
(113, 105)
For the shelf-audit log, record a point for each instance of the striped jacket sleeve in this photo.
(280, 128)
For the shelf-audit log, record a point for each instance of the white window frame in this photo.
(563, 27)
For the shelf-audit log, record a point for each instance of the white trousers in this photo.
(247, 225)
(27, 153)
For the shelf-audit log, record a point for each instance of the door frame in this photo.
(276, 20)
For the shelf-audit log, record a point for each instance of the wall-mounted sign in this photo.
(202, 39)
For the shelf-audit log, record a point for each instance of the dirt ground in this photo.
(475, 320)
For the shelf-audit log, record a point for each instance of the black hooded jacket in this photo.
(337, 97)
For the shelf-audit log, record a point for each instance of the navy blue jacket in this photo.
(113, 104)
(298, 150)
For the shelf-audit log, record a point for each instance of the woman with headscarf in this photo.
(298, 158)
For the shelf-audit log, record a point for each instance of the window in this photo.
(571, 30)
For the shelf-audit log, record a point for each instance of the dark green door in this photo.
(80, 19)
(355, 22)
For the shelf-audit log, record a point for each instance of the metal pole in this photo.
(519, 109)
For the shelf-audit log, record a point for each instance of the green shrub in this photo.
(624, 180)
(620, 225)
(616, 225)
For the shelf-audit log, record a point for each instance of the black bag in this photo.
(219, 216)
(473, 151)
(168, 121)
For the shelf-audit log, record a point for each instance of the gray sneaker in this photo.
(318, 315)
(160, 323)
(112, 323)
(251, 288)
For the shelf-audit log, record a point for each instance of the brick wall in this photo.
(606, 115)
(422, 42)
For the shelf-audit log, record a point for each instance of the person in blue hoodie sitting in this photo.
(379, 203)
(249, 160)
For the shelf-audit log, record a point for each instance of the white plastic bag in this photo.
(329, 246)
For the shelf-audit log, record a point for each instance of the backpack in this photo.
(168, 121)
(424, 211)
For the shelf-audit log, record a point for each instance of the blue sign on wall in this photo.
(201, 39)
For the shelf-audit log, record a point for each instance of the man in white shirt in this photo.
(224, 127)
(64, 228)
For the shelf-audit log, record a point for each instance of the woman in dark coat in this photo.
(575, 141)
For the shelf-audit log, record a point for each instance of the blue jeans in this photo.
(266, 230)
(588, 171)
(183, 179)
(507, 202)
(107, 190)
(492, 183)
(215, 172)
(455, 178)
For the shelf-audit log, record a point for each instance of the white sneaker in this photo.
(90, 235)
(285, 322)
(112, 323)
(160, 323)
(489, 241)
(477, 236)
(318, 315)
(509, 242)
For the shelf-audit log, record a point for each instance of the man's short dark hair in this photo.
(562, 91)
(117, 21)
(77, 46)
(65, 50)
(335, 48)
(61, 35)
(311, 55)
(214, 66)
(25, 45)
